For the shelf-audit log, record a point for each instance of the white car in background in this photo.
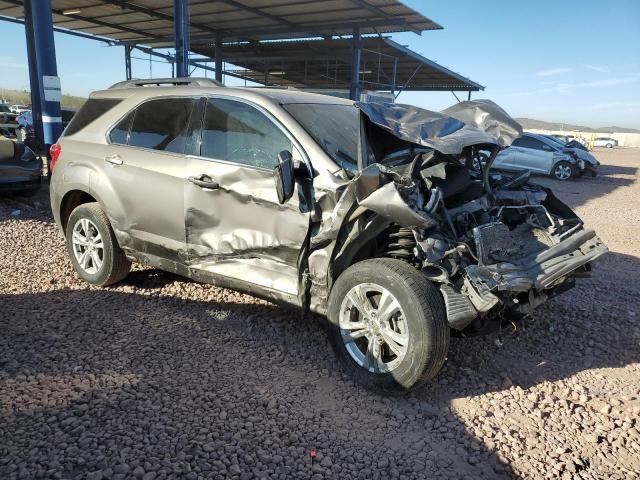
(606, 142)
(18, 108)
(540, 155)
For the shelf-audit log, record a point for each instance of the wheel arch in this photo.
(70, 201)
(78, 183)
(357, 243)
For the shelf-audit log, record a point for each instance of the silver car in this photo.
(368, 214)
(541, 155)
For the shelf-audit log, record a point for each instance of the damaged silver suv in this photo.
(370, 214)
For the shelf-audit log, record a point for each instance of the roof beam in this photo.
(381, 13)
(85, 19)
(257, 11)
(88, 36)
(309, 29)
(153, 13)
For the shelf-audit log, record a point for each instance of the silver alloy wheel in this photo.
(374, 328)
(88, 247)
(562, 172)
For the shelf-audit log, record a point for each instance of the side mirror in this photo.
(284, 176)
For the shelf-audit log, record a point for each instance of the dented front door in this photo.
(237, 232)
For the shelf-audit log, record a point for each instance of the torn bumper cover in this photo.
(536, 276)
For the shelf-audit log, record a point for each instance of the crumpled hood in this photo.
(488, 117)
(586, 156)
(478, 122)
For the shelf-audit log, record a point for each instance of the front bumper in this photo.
(488, 285)
(16, 177)
(591, 168)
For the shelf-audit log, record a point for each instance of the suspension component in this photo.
(401, 244)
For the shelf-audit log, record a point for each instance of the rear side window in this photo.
(162, 124)
(90, 111)
(529, 142)
(120, 133)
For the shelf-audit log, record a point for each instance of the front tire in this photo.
(388, 324)
(94, 251)
(563, 171)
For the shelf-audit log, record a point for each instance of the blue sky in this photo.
(574, 61)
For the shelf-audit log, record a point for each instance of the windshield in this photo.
(558, 138)
(334, 127)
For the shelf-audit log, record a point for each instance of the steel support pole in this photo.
(354, 94)
(181, 36)
(393, 76)
(469, 95)
(218, 58)
(127, 62)
(43, 71)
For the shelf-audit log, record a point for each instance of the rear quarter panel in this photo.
(79, 168)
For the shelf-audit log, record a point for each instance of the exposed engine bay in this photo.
(495, 245)
(497, 250)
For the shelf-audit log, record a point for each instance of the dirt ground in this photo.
(160, 377)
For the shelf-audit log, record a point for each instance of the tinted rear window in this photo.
(162, 124)
(90, 111)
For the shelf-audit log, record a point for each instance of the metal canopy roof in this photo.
(151, 21)
(326, 64)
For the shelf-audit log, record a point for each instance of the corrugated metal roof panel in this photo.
(239, 19)
(327, 64)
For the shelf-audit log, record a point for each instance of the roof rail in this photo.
(276, 87)
(182, 81)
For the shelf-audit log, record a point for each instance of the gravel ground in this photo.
(160, 377)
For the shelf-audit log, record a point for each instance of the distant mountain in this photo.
(530, 123)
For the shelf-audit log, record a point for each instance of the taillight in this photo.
(54, 152)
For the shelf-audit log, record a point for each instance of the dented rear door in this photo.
(237, 232)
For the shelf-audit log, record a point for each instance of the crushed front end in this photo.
(505, 253)
(495, 245)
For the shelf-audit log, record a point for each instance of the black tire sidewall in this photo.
(87, 211)
(421, 324)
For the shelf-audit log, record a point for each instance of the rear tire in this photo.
(609, 145)
(404, 344)
(563, 171)
(94, 251)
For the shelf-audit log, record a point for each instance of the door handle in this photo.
(204, 181)
(113, 159)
